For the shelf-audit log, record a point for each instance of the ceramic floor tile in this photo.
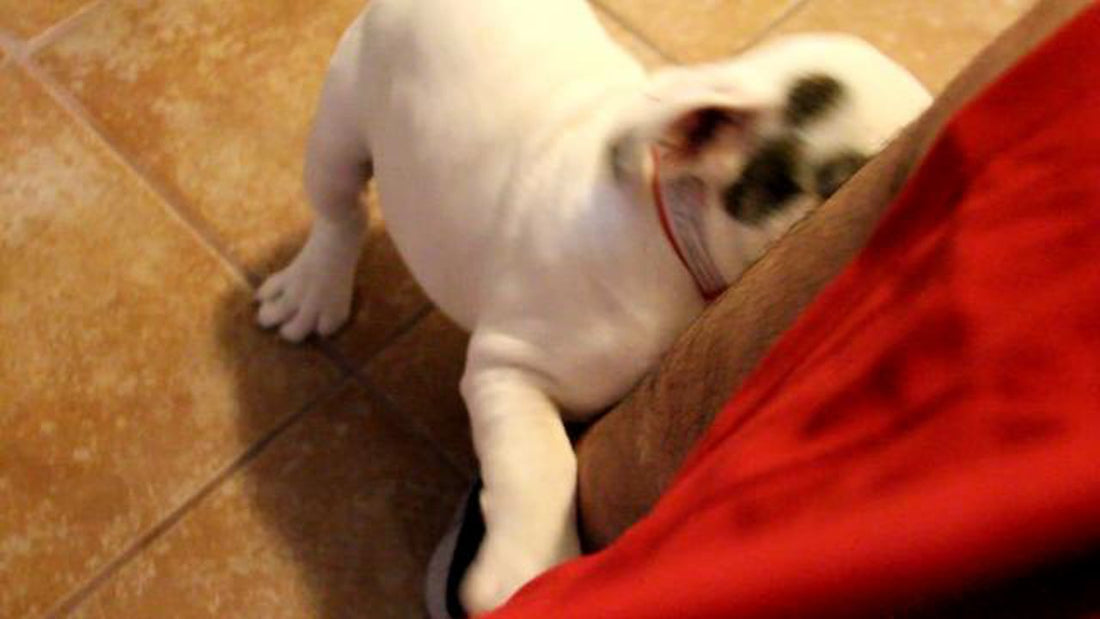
(5, 41)
(643, 51)
(934, 38)
(214, 99)
(700, 30)
(130, 370)
(419, 373)
(336, 518)
(27, 19)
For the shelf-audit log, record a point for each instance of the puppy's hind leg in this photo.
(313, 294)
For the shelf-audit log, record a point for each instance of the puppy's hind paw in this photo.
(312, 295)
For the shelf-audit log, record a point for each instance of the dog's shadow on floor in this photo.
(355, 511)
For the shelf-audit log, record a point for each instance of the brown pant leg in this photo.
(628, 457)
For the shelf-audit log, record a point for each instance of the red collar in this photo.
(699, 266)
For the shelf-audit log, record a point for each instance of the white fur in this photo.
(489, 124)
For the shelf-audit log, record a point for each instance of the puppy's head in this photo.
(767, 135)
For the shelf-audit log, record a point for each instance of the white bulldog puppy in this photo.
(573, 212)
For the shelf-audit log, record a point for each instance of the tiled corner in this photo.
(336, 518)
(419, 374)
(131, 371)
(700, 30)
(214, 101)
(934, 38)
(29, 19)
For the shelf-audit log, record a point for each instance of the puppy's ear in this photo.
(697, 136)
(692, 135)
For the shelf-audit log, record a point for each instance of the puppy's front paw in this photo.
(313, 294)
(502, 568)
(488, 583)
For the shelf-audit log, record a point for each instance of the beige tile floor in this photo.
(159, 455)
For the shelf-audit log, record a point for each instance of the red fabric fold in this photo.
(932, 421)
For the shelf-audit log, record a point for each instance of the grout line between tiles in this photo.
(61, 28)
(766, 31)
(388, 406)
(170, 201)
(410, 423)
(83, 592)
(348, 375)
(626, 25)
(348, 366)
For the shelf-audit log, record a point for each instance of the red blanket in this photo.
(932, 421)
